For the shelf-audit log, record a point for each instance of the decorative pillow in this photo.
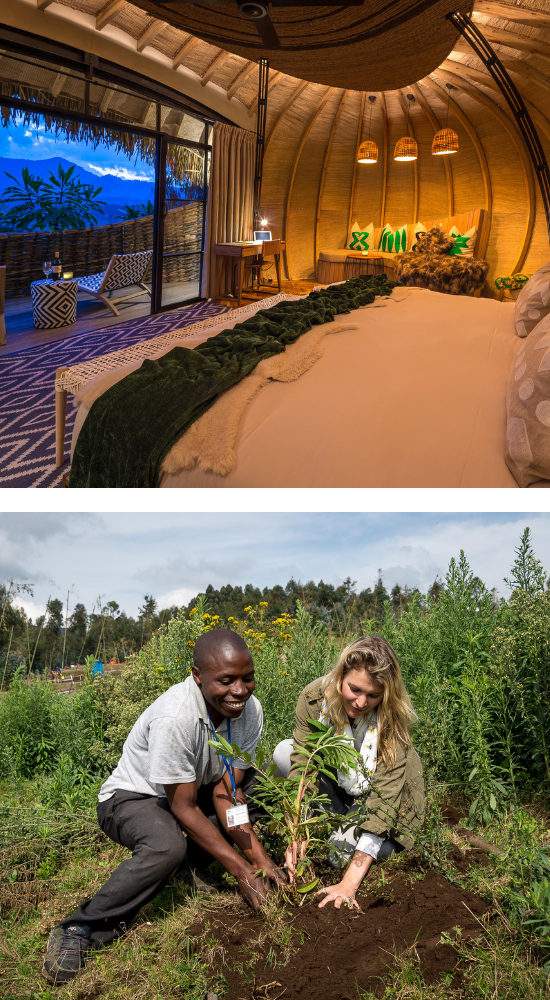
(533, 302)
(355, 227)
(434, 241)
(393, 241)
(362, 239)
(528, 409)
(463, 243)
(418, 231)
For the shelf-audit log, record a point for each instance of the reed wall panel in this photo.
(400, 186)
(336, 190)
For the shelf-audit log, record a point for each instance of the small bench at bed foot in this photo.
(453, 275)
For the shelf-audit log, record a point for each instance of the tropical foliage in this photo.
(61, 202)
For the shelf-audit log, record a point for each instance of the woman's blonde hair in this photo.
(395, 713)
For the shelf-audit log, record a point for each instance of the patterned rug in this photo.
(27, 412)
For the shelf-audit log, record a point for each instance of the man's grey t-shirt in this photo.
(169, 743)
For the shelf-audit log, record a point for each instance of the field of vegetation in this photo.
(454, 918)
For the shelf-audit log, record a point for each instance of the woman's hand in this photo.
(338, 894)
(295, 850)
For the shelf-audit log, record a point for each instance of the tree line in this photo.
(65, 637)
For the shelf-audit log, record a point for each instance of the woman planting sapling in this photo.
(364, 699)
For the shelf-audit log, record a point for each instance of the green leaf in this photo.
(308, 887)
(492, 802)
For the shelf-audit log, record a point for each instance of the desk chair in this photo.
(270, 248)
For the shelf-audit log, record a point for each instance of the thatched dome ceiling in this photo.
(313, 187)
(375, 45)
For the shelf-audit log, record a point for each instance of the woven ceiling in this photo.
(378, 45)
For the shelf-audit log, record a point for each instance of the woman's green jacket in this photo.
(395, 803)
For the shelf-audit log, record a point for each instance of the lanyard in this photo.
(228, 763)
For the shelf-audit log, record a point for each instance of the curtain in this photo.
(230, 198)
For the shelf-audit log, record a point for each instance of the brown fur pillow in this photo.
(434, 241)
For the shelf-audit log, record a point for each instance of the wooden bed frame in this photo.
(329, 271)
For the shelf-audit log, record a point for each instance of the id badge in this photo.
(236, 816)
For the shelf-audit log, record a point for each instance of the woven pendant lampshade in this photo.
(368, 152)
(445, 141)
(407, 147)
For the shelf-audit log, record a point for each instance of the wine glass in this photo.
(47, 268)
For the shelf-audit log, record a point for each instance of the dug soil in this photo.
(343, 949)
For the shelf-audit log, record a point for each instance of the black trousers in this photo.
(146, 826)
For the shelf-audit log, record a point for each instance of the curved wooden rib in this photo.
(294, 95)
(328, 94)
(272, 83)
(109, 13)
(189, 44)
(240, 78)
(516, 138)
(214, 65)
(434, 123)
(535, 19)
(410, 128)
(357, 144)
(526, 70)
(523, 43)
(323, 171)
(150, 34)
(477, 76)
(385, 177)
(468, 127)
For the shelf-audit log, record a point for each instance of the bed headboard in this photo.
(478, 218)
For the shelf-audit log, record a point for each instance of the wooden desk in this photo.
(237, 253)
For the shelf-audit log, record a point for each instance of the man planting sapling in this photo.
(172, 799)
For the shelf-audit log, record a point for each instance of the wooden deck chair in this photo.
(122, 271)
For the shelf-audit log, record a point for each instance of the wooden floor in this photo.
(93, 315)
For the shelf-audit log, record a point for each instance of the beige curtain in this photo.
(230, 198)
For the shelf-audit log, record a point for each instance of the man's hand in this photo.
(253, 887)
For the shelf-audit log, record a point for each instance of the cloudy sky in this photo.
(174, 556)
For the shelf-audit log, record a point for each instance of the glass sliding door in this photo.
(181, 203)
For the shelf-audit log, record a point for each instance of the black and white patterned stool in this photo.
(53, 303)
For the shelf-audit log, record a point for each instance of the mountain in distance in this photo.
(117, 192)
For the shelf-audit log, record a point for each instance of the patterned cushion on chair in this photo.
(128, 269)
(91, 283)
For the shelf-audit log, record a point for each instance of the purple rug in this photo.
(27, 412)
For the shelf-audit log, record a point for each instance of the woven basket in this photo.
(368, 152)
(406, 149)
(445, 141)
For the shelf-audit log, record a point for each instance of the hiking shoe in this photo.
(65, 952)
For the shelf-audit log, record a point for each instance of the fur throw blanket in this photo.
(441, 272)
(434, 241)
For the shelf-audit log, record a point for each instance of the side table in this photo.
(356, 265)
(53, 303)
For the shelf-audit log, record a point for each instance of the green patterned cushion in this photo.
(362, 239)
(393, 241)
(463, 242)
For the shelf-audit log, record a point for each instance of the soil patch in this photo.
(332, 951)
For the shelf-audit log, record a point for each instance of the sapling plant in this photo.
(295, 808)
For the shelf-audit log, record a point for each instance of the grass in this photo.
(479, 674)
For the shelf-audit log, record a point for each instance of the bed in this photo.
(408, 392)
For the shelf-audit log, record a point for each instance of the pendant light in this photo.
(446, 140)
(368, 151)
(407, 148)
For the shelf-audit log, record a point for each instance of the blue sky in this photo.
(19, 141)
(173, 556)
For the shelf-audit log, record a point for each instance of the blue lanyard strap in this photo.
(228, 763)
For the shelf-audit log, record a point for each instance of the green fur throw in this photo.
(135, 423)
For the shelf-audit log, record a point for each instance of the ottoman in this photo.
(53, 303)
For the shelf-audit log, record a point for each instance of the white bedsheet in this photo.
(415, 397)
